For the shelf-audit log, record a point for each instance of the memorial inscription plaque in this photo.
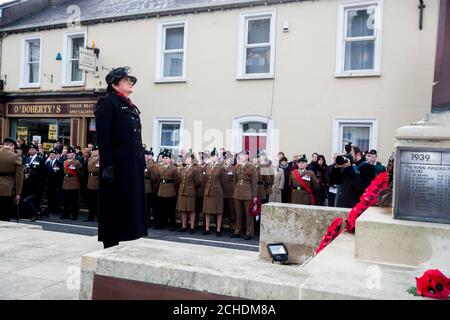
(422, 185)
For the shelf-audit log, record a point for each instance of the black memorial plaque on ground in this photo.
(422, 185)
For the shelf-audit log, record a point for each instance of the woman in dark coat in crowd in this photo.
(122, 215)
(322, 179)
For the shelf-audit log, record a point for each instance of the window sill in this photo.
(171, 80)
(256, 77)
(74, 84)
(356, 74)
(30, 86)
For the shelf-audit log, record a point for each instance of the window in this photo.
(256, 46)
(167, 134)
(254, 133)
(171, 57)
(31, 71)
(361, 132)
(359, 38)
(71, 74)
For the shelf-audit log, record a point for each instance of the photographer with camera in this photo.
(353, 179)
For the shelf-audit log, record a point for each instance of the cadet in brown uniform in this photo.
(261, 186)
(245, 191)
(11, 179)
(229, 214)
(150, 182)
(303, 184)
(168, 184)
(73, 169)
(213, 197)
(92, 185)
(267, 174)
(201, 168)
(187, 193)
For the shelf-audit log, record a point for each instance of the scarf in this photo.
(123, 96)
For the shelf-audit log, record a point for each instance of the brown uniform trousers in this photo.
(200, 193)
(299, 194)
(11, 181)
(246, 179)
(167, 193)
(213, 197)
(71, 188)
(92, 186)
(151, 189)
(229, 212)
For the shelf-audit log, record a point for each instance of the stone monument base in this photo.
(300, 228)
(381, 239)
(158, 270)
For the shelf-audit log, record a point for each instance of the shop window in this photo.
(41, 130)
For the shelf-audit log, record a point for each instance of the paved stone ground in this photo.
(54, 223)
(41, 265)
(41, 260)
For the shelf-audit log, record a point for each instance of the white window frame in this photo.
(160, 46)
(24, 63)
(157, 123)
(339, 122)
(66, 66)
(238, 132)
(242, 45)
(345, 5)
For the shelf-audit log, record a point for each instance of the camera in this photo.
(341, 160)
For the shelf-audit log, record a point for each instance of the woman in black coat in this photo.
(122, 215)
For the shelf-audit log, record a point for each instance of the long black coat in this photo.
(122, 215)
(354, 181)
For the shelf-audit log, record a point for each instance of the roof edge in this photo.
(199, 8)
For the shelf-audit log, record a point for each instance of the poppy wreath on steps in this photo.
(334, 230)
(433, 284)
(367, 200)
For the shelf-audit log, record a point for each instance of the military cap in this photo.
(52, 151)
(71, 150)
(214, 152)
(260, 153)
(228, 155)
(119, 73)
(244, 152)
(167, 153)
(151, 152)
(33, 146)
(303, 159)
(373, 152)
(9, 140)
(190, 154)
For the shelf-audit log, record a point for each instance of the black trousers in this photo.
(54, 196)
(71, 203)
(167, 208)
(331, 199)
(6, 208)
(92, 197)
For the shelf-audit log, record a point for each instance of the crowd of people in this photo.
(187, 192)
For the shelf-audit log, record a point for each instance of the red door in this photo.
(254, 143)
